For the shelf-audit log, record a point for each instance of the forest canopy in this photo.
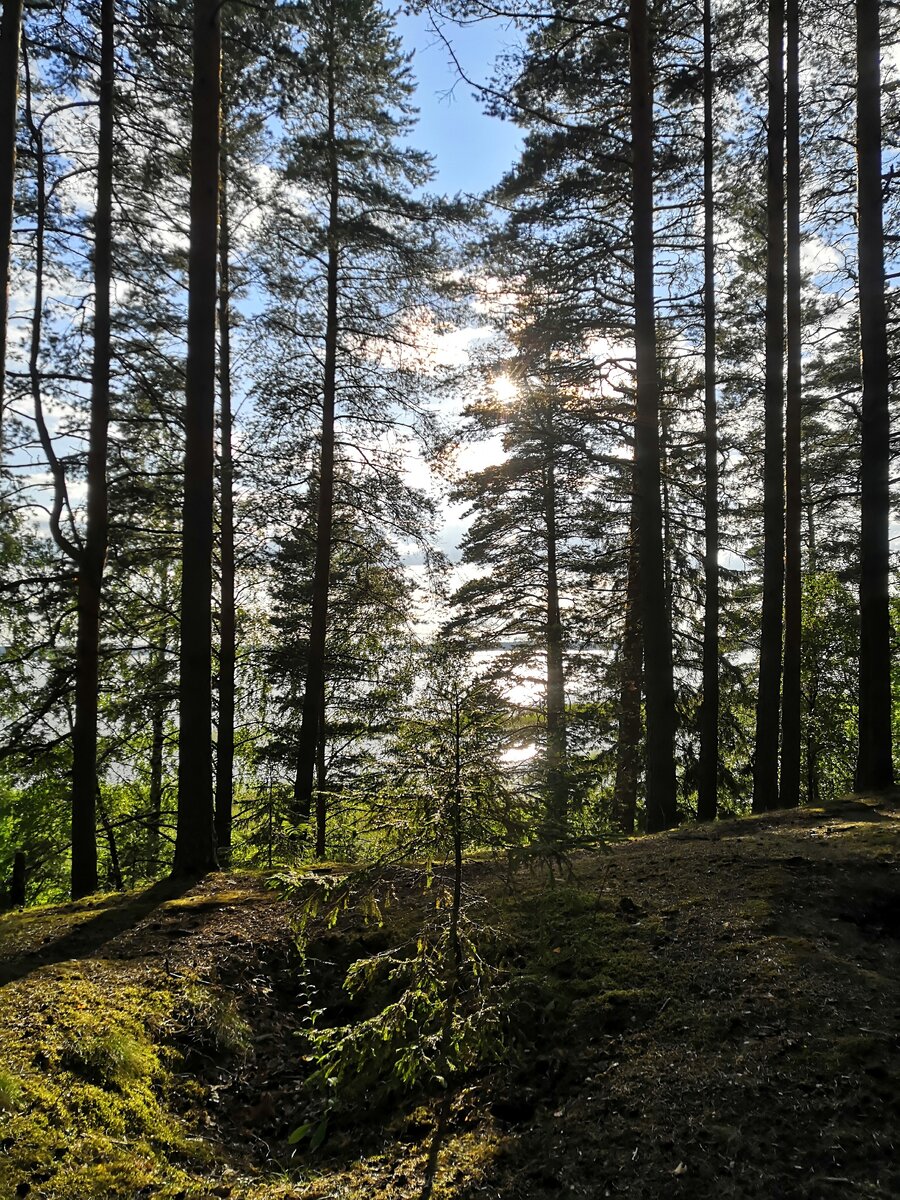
(343, 519)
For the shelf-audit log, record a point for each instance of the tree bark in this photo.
(10, 40)
(93, 551)
(789, 787)
(60, 504)
(157, 745)
(116, 877)
(17, 883)
(656, 620)
(321, 797)
(765, 758)
(812, 554)
(875, 762)
(628, 746)
(158, 726)
(708, 775)
(315, 671)
(195, 850)
(225, 740)
(557, 782)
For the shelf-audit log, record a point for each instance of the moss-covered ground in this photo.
(714, 1012)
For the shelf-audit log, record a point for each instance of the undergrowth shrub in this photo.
(210, 1021)
(429, 1011)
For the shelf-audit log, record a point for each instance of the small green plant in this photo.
(211, 1020)
(441, 1010)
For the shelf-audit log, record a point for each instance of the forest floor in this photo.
(711, 1012)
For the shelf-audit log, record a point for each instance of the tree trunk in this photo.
(157, 744)
(195, 849)
(321, 798)
(765, 758)
(10, 39)
(875, 762)
(708, 775)
(18, 880)
(225, 740)
(115, 865)
(628, 746)
(60, 504)
(656, 620)
(315, 671)
(158, 726)
(812, 554)
(557, 781)
(789, 791)
(93, 552)
(668, 581)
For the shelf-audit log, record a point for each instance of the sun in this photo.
(505, 390)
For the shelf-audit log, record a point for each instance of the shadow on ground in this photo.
(91, 934)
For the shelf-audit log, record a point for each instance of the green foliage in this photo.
(829, 676)
(208, 1019)
(429, 1012)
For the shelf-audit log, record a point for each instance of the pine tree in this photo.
(708, 779)
(378, 247)
(530, 514)
(656, 623)
(10, 37)
(93, 552)
(875, 764)
(195, 851)
(789, 782)
(765, 755)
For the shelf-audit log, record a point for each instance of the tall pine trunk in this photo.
(157, 746)
(656, 619)
(631, 660)
(557, 782)
(225, 739)
(60, 505)
(765, 758)
(321, 795)
(93, 551)
(10, 39)
(315, 670)
(158, 724)
(875, 762)
(195, 849)
(708, 776)
(789, 787)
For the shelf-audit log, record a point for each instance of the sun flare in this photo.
(505, 390)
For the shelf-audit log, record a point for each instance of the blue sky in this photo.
(471, 149)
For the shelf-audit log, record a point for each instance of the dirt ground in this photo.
(707, 1013)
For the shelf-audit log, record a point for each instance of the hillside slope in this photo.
(708, 1013)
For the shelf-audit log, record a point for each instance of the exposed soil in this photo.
(709, 1013)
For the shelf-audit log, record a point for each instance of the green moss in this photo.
(10, 1092)
(760, 912)
(612, 1011)
(111, 1057)
(94, 1089)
